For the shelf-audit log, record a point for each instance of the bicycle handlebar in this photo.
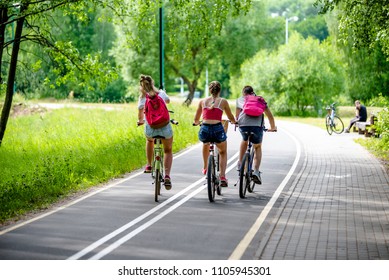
(201, 122)
(172, 121)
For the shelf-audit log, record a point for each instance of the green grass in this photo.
(45, 157)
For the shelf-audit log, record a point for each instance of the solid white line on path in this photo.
(87, 195)
(127, 237)
(245, 242)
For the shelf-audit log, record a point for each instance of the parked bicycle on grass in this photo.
(333, 122)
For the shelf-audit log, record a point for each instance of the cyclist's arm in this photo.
(237, 112)
(270, 117)
(199, 111)
(238, 109)
(164, 96)
(141, 114)
(141, 117)
(228, 112)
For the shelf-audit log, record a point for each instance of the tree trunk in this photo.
(11, 76)
(3, 19)
(192, 88)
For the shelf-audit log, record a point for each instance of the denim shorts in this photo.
(165, 131)
(256, 138)
(212, 133)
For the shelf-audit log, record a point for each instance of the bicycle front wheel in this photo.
(244, 176)
(328, 124)
(211, 179)
(157, 184)
(338, 125)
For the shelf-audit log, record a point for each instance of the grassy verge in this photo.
(45, 157)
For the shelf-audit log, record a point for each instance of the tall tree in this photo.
(190, 31)
(366, 22)
(31, 18)
(296, 78)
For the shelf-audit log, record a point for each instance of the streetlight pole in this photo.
(161, 49)
(295, 18)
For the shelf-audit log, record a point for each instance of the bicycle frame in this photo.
(157, 167)
(332, 114)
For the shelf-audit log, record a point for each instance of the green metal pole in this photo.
(161, 50)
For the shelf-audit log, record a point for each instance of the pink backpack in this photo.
(156, 112)
(254, 106)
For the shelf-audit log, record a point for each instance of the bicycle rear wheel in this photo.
(328, 124)
(244, 176)
(157, 184)
(217, 167)
(211, 179)
(251, 185)
(338, 125)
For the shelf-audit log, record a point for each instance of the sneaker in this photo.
(223, 182)
(347, 130)
(204, 171)
(238, 166)
(167, 182)
(147, 169)
(257, 177)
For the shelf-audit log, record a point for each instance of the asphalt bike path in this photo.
(122, 221)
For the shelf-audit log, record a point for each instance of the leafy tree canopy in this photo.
(366, 22)
(299, 77)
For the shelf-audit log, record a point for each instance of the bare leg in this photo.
(223, 157)
(205, 155)
(168, 158)
(149, 150)
(243, 148)
(258, 156)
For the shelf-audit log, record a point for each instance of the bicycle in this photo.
(157, 170)
(333, 122)
(213, 182)
(246, 179)
(246, 182)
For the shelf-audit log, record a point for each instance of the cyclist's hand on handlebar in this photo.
(196, 123)
(173, 121)
(272, 129)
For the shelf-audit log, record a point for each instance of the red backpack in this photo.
(156, 112)
(254, 106)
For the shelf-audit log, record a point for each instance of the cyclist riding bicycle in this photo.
(253, 125)
(147, 88)
(212, 130)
